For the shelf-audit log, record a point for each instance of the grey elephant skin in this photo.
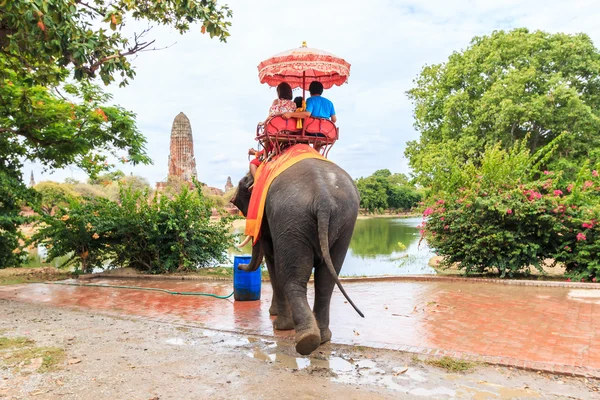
(309, 217)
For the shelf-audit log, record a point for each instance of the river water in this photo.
(383, 246)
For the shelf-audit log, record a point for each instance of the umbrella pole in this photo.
(304, 85)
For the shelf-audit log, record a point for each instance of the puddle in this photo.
(585, 295)
(176, 341)
(502, 392)
(442, 391)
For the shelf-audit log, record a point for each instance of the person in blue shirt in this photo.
(317, 106)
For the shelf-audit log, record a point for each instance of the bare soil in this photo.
(130, 358)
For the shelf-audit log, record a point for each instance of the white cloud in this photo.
(386, 41)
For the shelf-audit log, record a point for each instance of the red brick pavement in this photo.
(544, 328)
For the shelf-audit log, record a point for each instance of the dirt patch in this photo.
(144, 359)
(13, 276)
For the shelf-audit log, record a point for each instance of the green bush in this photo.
(82, 231)
(506, 217)
(156, 234)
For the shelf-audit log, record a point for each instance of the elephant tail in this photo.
(322, 226)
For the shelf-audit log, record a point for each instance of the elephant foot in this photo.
(282, 323)
(325, 335)
(273, 309)
(307, 342)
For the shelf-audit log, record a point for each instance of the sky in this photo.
(387, 42)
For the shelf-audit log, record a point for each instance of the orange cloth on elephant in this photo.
(265, 175)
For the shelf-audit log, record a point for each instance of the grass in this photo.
(19, 352)
(14, 343)
(450, 364)
(20, 279)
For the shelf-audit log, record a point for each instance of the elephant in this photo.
(309, 217)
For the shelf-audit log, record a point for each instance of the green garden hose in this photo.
(142, 288)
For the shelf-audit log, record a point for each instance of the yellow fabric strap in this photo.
(303, 108)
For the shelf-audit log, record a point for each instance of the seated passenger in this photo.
(299, 100)
(283, 103)
(317, 106)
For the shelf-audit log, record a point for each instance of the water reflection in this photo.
(375, 250)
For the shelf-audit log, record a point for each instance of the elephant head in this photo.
(241, 199)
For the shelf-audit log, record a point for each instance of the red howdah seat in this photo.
(316, 131)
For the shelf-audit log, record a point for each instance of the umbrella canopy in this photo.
(300, 66)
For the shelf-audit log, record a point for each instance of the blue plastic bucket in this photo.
(246, 285)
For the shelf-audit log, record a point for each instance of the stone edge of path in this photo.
(406, 278)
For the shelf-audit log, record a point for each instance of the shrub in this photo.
(82, 231)
(507, 217)
(171, 233)
(156, 233)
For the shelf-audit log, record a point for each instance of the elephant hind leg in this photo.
(325, 283)
(297, 267)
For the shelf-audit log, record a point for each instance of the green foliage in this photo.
(506, 217)
(88, 35)
(54, 195)
(384, 190)
(506, 87)
(82, 231)
(107, 178)
(156, 235)
(13, 194)
(56, 121)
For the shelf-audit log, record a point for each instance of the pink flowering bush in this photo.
(503, 219)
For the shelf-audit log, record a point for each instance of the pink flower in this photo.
(428, 211)
(595, 173)
(588, 184)
(446, 227)
(587, 225)
(580, 237)
(570, 187)
(422, 232)
(568, 279)
(594, 279)
(508, 211)
(558, 193)
(547, 173)
(442, 219)
(440, 201)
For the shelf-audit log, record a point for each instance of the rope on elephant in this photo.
(141, 288)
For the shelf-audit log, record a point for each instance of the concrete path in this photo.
(543, 328)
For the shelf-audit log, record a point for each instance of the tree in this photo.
(107, 178)
(384, 190)
(373, 193)
(58, 122)
(506, 87)
(54, 195)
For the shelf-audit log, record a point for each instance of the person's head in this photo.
(298, 100)
(315, 88)
(284, 91)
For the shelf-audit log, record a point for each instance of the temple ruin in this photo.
(182, 163)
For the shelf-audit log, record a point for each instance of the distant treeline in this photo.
(384, 191)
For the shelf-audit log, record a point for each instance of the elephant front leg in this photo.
(279, 304)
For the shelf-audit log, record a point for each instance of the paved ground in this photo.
(552, 329)
(135, 358)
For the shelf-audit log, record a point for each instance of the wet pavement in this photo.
(553, 329)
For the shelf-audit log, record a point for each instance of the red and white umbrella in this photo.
(299, 67)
